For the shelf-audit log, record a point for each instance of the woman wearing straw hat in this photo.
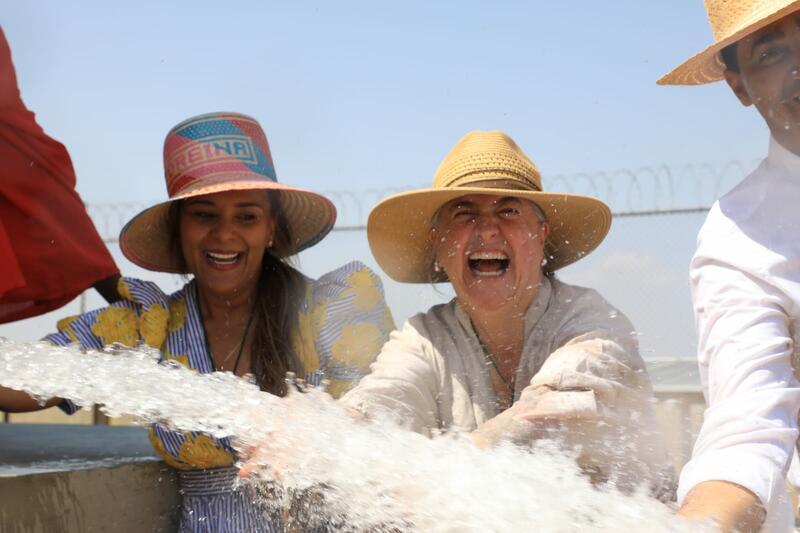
(745, 280)
(517, 354)
(231, 225)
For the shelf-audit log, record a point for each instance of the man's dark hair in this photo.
(728, 55)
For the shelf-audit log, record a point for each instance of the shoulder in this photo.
(145, 293)
(354, 284)
(582, 308)
(746, 215)
(431, 330)
(346, 312)
(720, 227)
(144, 310)
(438, 317)
(579, 299)
(740, 233)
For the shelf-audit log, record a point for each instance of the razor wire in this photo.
(643, 191)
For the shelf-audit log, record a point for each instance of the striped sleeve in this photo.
(352, 322)
(118, 323)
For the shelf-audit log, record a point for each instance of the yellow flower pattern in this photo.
(65, 326)
(387, 321)
(153, 325)
(200, 451)
(117, 325)
(182, 359)
(337, 387)
(158, 446)
(177, 314)
(357, 346)
(303, 341)
(366, 292)
(124, 290)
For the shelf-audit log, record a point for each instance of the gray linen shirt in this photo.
(432, 374)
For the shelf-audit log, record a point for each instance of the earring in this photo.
(436, 266)
(269, 244)
(544, 262)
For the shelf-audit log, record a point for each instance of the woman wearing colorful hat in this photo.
(231, 225)
(517, 352)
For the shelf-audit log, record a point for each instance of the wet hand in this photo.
(271, 456)
(537, 413)
(542, 403)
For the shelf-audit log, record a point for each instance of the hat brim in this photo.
(707, 66)
(398, 228)
(145, 240)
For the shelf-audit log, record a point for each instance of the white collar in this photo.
(782, 161)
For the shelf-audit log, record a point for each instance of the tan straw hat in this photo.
(213, 153)
(482, 162)
(731, 20)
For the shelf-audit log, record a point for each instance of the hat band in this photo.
(494, 180)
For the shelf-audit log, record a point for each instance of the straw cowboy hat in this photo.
(213, 153)
(731, 20)
(482, 162)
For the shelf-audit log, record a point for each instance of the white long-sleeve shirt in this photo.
(745, 279)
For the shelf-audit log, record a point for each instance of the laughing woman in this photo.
(517, 355)
(231, 226)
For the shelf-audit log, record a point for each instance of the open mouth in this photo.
(488, 264)
(223, 259)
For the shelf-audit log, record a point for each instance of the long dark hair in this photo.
(280, 292)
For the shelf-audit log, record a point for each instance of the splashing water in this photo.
(374, 474)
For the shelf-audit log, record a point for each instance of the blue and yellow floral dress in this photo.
(343, 322)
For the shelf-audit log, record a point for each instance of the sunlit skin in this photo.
(769, 78)
(731, 506)
(223, 239)
(475, 224)
(216, 226)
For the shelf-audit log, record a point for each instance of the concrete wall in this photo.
(129, 498)
(79, 479)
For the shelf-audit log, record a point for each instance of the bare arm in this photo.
(108, 288)
(733, 507)
(14, 401)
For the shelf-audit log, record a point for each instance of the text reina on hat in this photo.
(218, 149)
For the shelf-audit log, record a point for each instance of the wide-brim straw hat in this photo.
(482, 162)
(731, 21)
(213, 153)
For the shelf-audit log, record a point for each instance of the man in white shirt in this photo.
(745, 280)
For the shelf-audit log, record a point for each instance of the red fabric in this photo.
(50, 251)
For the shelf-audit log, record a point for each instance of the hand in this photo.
(539, 411)
(541, 402)
(255, 458)
(733, 507)
(275, 449)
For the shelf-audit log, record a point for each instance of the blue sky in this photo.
(371, 95)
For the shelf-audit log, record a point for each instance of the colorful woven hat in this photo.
(213, 153)
(731, 21)
(482, 162)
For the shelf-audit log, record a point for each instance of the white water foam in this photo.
(375, 475)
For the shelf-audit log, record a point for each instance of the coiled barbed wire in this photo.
(643, 191)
